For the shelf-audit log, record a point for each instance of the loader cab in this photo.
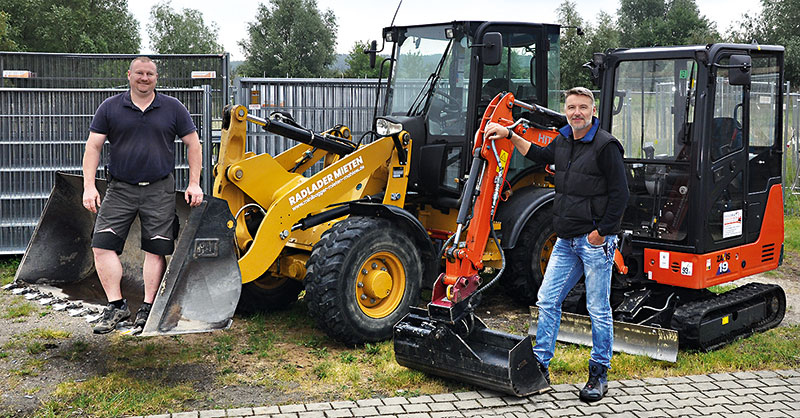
(439, 86)
(701, 130)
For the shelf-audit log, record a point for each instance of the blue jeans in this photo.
(571, 259)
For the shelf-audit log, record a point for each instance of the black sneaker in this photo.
(142, 314)
(111, 317)
(597, 386)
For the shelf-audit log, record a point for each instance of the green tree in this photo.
(181, 32)
(606, 35)
(6, 43)
(662, 23)
(358, 63)
(575, 49)
(289, 38)
(101, 26)
(776, 24)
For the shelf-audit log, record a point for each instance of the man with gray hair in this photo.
(140, 126)
(590, 199)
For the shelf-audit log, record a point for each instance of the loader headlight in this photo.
(388, 127)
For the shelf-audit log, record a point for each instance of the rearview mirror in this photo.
(372, 51)
(492, 50)
(740, 68)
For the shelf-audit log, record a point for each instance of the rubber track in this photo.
(688, 317)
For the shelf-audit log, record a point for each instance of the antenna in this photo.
(395, 12)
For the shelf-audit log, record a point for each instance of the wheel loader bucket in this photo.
(201, 285)
(487, 358)
(643, 340)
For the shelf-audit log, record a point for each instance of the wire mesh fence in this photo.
(43, 131)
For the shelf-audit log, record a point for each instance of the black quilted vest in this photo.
(581, 188)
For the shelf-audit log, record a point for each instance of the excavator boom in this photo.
(448, 339)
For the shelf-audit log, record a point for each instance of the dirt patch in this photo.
(32, 366)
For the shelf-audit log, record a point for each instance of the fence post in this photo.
(207, 171)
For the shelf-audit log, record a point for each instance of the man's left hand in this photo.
(595, 238)
(194, 195)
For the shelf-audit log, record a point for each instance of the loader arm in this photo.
(275, 187)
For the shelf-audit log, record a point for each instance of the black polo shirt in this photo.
(142, 143)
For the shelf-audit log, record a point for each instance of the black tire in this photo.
(336, 267)
(528, 259)
(267, 294)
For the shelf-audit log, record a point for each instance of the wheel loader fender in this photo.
(515, 213)
(413, 226)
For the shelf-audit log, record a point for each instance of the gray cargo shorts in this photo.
(154, 203)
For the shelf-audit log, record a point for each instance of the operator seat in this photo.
(493, 87)
(726, 136)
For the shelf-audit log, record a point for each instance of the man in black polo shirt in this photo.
(141, 126)
(591, 195)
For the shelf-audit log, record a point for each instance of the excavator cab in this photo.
(701, 128)
(440, 86)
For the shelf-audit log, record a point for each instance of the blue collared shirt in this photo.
(567, 131)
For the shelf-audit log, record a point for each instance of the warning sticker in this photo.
(732, 223)
(663, 260)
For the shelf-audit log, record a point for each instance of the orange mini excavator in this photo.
(448, 339)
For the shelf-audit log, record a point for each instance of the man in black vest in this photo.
(140, 126)
(591, 195)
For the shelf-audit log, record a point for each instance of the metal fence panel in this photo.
(317, 104)
(43, 131)
(102, 71)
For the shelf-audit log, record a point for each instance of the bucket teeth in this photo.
(35, 295)
(64, 305)
(80, 311)
(93, 316)
(50, 300)
(21, 290)
(46, 299)
(11, 286)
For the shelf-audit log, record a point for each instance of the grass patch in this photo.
(8, 266)
(223, 346)
(30, 367)
(18, 308)
(116, 395)
(48, 334)
(76, 351)
(791, 233)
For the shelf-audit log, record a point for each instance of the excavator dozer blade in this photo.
(487, 358)
(654, 342)
(201, 285)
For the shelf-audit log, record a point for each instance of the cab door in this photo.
(724, 179)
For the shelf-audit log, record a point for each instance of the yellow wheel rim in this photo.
(380, 285)
(547, 249)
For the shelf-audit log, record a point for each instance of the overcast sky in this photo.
(364, 19)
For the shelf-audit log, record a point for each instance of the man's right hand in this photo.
(91, 199)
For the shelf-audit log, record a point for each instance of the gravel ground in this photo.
(25, 385)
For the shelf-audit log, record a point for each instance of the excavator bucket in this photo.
(201, 285)
(484, 357)
(654, 342)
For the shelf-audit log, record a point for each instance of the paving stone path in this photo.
(759, 394)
